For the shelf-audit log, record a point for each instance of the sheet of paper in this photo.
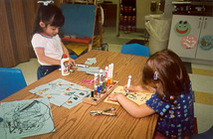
(26, 118)
(137, 97)
(90, 70)
(90, 61)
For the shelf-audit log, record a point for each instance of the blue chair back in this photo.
(135, 49)
(11, 81)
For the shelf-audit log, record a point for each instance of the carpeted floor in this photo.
(205, 79)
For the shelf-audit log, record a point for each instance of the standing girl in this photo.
(46, 41)
(165, 74)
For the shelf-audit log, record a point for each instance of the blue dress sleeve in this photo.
(157, 104)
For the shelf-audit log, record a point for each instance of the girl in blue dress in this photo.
(165, 75)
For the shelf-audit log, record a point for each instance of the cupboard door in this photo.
(205, 46)
(184, 35)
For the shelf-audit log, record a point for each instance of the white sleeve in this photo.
(37, 41)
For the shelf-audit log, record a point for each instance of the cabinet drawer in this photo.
(204, 54)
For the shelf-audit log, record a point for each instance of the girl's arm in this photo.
(137, 111)
(45, 59)
(72, 61)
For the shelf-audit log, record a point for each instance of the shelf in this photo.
(127, 17)
(206, 3)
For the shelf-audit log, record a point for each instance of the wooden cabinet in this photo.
(191, 37)
(109, 14)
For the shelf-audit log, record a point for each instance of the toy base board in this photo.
(99, 97)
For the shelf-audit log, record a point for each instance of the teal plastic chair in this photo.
(73, 56)
(11, 81)
(135, 49)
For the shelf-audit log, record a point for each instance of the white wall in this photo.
(143, 9)
(168, 8)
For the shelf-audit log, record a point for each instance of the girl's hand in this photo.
(72, 61)
(114, 97)
(132, 88)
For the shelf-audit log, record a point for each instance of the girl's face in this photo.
(50, 30)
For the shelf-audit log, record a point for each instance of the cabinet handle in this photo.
(205, 23)
(200, 21)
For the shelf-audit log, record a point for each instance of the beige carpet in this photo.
(204, 96)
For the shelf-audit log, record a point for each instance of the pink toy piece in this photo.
(88, 82)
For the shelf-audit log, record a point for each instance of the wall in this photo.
(168, 8)
(143, 9)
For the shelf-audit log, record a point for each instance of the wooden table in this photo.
(77, 122)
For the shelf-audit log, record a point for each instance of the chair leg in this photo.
(105, 46)
(195, 126)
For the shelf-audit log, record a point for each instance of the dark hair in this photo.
(50, 15)
(172, 74)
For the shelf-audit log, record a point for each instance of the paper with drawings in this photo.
(137, 97)
(62, 93)
(26, 118)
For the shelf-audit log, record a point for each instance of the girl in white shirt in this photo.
(46, 42)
